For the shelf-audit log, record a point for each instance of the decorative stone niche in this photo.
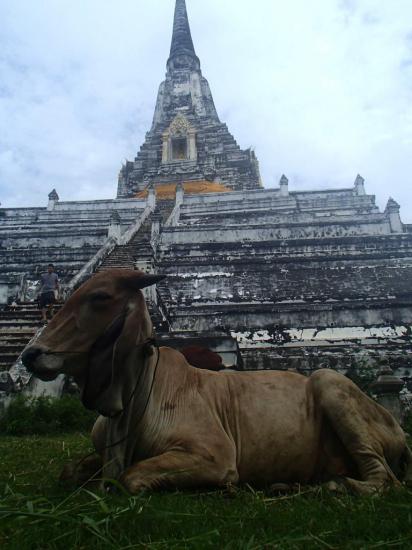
(179, 148)
(179, 141)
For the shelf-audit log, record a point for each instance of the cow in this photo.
(166, 424)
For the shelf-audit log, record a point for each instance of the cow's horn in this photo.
(146, 280)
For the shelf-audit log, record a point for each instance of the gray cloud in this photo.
(321, 89)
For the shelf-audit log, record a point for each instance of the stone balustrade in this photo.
(324, 262)
(68, 234)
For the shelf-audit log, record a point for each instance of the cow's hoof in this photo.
(336, 487)
(282, 489)
(230, 491)
(81, 473)
(68, 475)
(132, 484)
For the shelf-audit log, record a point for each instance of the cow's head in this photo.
(92, 336)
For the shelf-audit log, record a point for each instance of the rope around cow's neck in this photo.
(150, 341)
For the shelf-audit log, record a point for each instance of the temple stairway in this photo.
(68, 235)
(17, 328)
(125, 256)
(138, 252)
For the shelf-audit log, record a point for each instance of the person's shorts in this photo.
(46, 299)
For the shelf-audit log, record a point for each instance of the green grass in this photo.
(36, 513)
(44, 415)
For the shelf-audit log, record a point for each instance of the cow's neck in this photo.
(174, 378)
(143, 371)
(125, 429)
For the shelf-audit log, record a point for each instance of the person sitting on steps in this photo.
(49, 288)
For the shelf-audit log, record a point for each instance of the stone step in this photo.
(24, 306)
(114, 263)
(11, 345)
(19, 321)
(9, 315)
(17, 328)
(13, 335)
(132, 253)
(7, 340)
(124, 265)
(119, 257)
(4, 366)
(29, 306)
(17, 332)
(7, 357)
(123, 257)
(14, 351)
(108, 267)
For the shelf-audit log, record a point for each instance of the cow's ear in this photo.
(143, 280)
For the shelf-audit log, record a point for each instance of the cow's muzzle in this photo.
(45, 366)
(29, 357)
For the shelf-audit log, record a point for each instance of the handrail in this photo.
(162, 307)
(133, 229)
(174, 217)
(23, 287)
(107, 247)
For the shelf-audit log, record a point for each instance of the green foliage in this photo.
(43, 415)
(362, 377)
(35, 512)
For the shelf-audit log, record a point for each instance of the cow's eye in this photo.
(99, 297)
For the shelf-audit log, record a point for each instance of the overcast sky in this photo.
(322, 89)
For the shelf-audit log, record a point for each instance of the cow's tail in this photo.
(406, 466)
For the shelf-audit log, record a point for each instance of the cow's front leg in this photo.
(81, 472)
(178, 469)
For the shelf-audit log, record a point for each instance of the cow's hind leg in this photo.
(180, 470)
(367, 431)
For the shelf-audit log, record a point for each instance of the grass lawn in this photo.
(36, 513)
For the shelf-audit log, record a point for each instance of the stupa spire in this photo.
(182, 51)
(187, 142)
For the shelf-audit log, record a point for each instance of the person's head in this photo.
(50, 268)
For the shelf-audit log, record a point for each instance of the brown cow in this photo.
(164, 423)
